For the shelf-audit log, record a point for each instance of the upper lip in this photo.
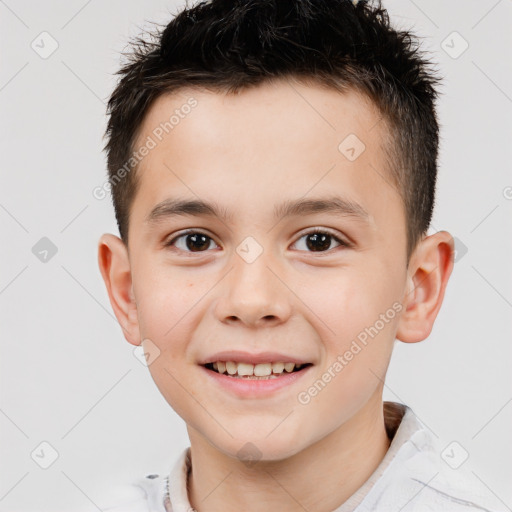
(246, 357)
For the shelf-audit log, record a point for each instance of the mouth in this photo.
(260, 371)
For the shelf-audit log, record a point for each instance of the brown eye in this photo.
(320, 241)
(194, 241)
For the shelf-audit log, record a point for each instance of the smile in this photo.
(261, 371)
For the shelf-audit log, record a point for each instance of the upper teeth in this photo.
(258, 370)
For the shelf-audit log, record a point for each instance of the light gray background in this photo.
(69, 378)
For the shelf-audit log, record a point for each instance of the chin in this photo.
(249, 450)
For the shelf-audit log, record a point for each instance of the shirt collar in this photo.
(401, 425)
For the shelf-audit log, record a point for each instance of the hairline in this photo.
(389, 135)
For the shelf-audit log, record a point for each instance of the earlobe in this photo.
(430, 268)
(115, 269)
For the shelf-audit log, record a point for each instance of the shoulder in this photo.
(141, 495)
(418, 478)
(429, 490)
(458, 491)
(441, 486)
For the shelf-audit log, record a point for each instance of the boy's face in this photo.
(302, 297)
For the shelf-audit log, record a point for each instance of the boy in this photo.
(261, 130)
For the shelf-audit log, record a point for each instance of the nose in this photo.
(254, 294)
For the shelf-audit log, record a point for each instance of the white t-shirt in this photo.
(412, 477)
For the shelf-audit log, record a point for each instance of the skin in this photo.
(249, 152)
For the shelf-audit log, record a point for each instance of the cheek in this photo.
(165, 297)
(167, 303)
(348, 300)
(357, 319)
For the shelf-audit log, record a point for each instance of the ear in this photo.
(115, 269)
(430, 267)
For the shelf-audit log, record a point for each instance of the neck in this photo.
(321, 477)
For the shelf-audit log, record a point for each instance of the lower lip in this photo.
(255, 388)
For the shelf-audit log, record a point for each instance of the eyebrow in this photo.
(300, 207)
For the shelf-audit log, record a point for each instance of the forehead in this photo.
(308, 112)
(263, 145)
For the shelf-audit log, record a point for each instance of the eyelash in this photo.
(342, 243)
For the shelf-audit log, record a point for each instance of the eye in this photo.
(194, 241)
(319, 240)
